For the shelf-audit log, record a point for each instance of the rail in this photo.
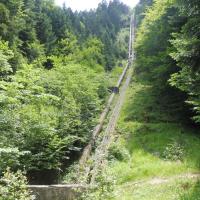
(88, 149)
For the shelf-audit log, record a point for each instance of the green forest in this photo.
(56, 70)
(54, 77)
(167, 47)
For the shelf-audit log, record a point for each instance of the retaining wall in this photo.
(56, 192)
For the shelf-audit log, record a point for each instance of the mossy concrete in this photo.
(56, 192)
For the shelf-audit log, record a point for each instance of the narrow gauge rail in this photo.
(88, 149)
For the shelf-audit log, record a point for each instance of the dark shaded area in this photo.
(113, 90)
(48, 64)
(54, 176)
(43, 177)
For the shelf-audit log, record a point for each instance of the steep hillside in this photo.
(156, 151)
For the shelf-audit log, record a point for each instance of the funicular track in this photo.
(90, 169)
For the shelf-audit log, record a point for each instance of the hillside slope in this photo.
(163, 159)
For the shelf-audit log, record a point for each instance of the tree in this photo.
(187, 54)
(153, 61)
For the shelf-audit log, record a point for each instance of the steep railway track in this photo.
(90, 169)
(109, 134)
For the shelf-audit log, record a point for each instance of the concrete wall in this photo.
(55, 192)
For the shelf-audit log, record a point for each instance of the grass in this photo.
(114, 75)
(192, 193)
(158, 147)
(173, 190)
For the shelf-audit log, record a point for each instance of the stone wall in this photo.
(56, 192)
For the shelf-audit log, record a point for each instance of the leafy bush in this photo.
(47, 112)
(10, 157)
(54, 110)
(13, 186)
(104, 188)
(119, 152)
(174, 151)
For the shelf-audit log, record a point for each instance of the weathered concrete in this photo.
(56, 192)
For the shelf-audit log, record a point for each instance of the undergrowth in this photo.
(158, 146)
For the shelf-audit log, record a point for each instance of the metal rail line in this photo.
(102, 150)
(113, 119)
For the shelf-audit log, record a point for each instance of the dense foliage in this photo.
(52, 78)
(37, 27)
(187, 54)
(167, 49)
(140, 10)
(14, 186)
